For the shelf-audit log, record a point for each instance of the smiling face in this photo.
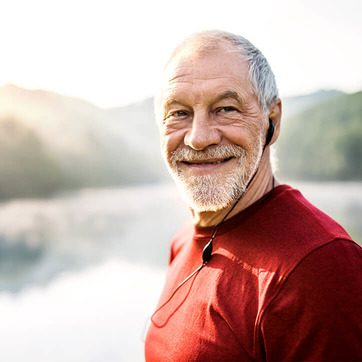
(212, 127)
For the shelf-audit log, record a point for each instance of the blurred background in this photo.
(87, 208)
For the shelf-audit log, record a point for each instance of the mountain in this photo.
(137, 123)
(324, 142)
(73, 144)
(298, 104)
(64, 124)
(25, 166)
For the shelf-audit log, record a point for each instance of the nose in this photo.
(202, 133)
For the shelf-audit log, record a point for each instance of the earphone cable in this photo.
(207, 252)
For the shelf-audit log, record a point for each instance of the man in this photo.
(262, 274)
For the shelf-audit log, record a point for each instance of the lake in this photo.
(80, 273)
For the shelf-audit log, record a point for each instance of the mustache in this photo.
(188, 154)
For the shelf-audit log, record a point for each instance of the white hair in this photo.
(261, 75)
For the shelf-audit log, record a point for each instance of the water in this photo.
(96, 314)
(80, 274)
(41, 238)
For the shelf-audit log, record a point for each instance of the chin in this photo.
(211, 192)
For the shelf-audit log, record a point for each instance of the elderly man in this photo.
(262, 274)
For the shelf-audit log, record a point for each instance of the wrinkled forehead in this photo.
(200, 46)
(193, 66)
(201, 65)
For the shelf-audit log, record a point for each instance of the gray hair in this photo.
(261, 75)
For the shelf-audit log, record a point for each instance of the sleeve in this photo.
(317, 314)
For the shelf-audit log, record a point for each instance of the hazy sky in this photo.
(111, 52)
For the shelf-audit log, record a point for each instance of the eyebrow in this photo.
(228, 94)
(169, 102)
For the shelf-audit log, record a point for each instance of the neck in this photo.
(260, 185)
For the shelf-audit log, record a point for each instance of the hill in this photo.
(54, 143)
(298, 104)
(324, 142)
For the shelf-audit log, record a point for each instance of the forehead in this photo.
(219, 70)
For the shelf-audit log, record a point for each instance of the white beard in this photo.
(215, 192)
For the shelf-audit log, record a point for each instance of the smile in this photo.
(202, 162)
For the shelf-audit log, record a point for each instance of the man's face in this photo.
(212, 127)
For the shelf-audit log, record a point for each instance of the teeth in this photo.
(210, 163)
(207, 163)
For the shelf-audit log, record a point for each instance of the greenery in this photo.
(323, 143)
(29, 168)
(25, 167)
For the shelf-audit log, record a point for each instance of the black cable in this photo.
(207, 252)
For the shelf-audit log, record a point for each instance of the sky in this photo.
(111, 53)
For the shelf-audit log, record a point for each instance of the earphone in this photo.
(270, 133)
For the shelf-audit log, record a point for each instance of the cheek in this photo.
(246, 137)
(169, 143)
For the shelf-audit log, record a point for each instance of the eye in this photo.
(176, 117)
(227, 109)
(179, 114)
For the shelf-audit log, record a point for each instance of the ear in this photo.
(275, 115)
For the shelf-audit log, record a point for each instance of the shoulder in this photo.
(293, 211)
(288, 228)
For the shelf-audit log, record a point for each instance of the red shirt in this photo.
(284, 283)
